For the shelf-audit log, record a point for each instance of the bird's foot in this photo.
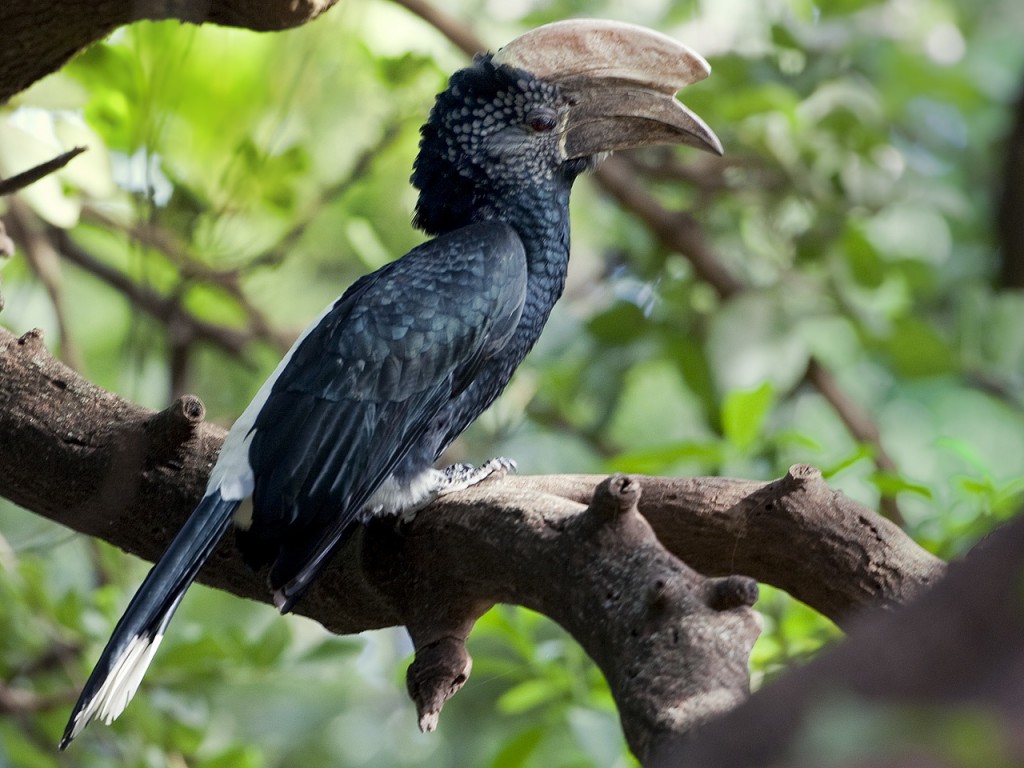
(458, 477)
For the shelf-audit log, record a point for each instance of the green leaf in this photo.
(622, 323)
(890, 484)
(752, 340)
(865, 263)
(916, 349)
(515, 752)
(861, 453)
(653, 461)
(239, 756)
(655, 408)
(267, 648)
(744, 413)
(528, 695)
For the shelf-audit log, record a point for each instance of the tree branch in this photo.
(181, 324)
(672, 643)
(677, 230)
(1009, 223)
(45, 263)
(117, 459)
(192, 269)
(17, 701)
(461, 35)
(39, 37)
(858, 423)
(952, 662)
(32, 175)
(6, 250)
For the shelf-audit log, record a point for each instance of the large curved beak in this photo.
(621, 80)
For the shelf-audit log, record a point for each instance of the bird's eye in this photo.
(542, 120)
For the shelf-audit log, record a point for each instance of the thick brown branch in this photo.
(106, 467)
(795, 533)
(952, 662)
(624, 598)
(95, 462)
(38, 37)
(672, 643)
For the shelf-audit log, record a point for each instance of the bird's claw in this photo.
(458, 477)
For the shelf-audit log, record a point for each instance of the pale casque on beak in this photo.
(621, 80)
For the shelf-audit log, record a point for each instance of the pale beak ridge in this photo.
(621, 80)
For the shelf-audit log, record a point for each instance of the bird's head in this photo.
(548, 106)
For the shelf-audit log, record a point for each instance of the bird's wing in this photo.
(365, 384)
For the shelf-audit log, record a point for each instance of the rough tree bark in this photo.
(672, 643)
(919, 688)
(38, 37)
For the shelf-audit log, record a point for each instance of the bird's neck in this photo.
(538, 213)
(543, 225)
(542, 222)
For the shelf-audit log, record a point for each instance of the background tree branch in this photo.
(25, 178)
(56, 33)
(1009, 222)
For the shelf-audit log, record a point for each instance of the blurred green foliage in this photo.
(864, 149)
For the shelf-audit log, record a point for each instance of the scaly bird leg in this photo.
(459, 477)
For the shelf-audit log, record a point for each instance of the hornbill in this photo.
(352, 420)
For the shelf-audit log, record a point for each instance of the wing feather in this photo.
(367, 382)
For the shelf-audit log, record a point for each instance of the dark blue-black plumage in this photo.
(412, 354)
(353, 419)
(362, 396)
(394, 371)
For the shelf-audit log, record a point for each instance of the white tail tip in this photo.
(121, 684)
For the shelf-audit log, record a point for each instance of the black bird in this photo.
(351, 422)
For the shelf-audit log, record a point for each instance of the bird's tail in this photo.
(137, 635)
